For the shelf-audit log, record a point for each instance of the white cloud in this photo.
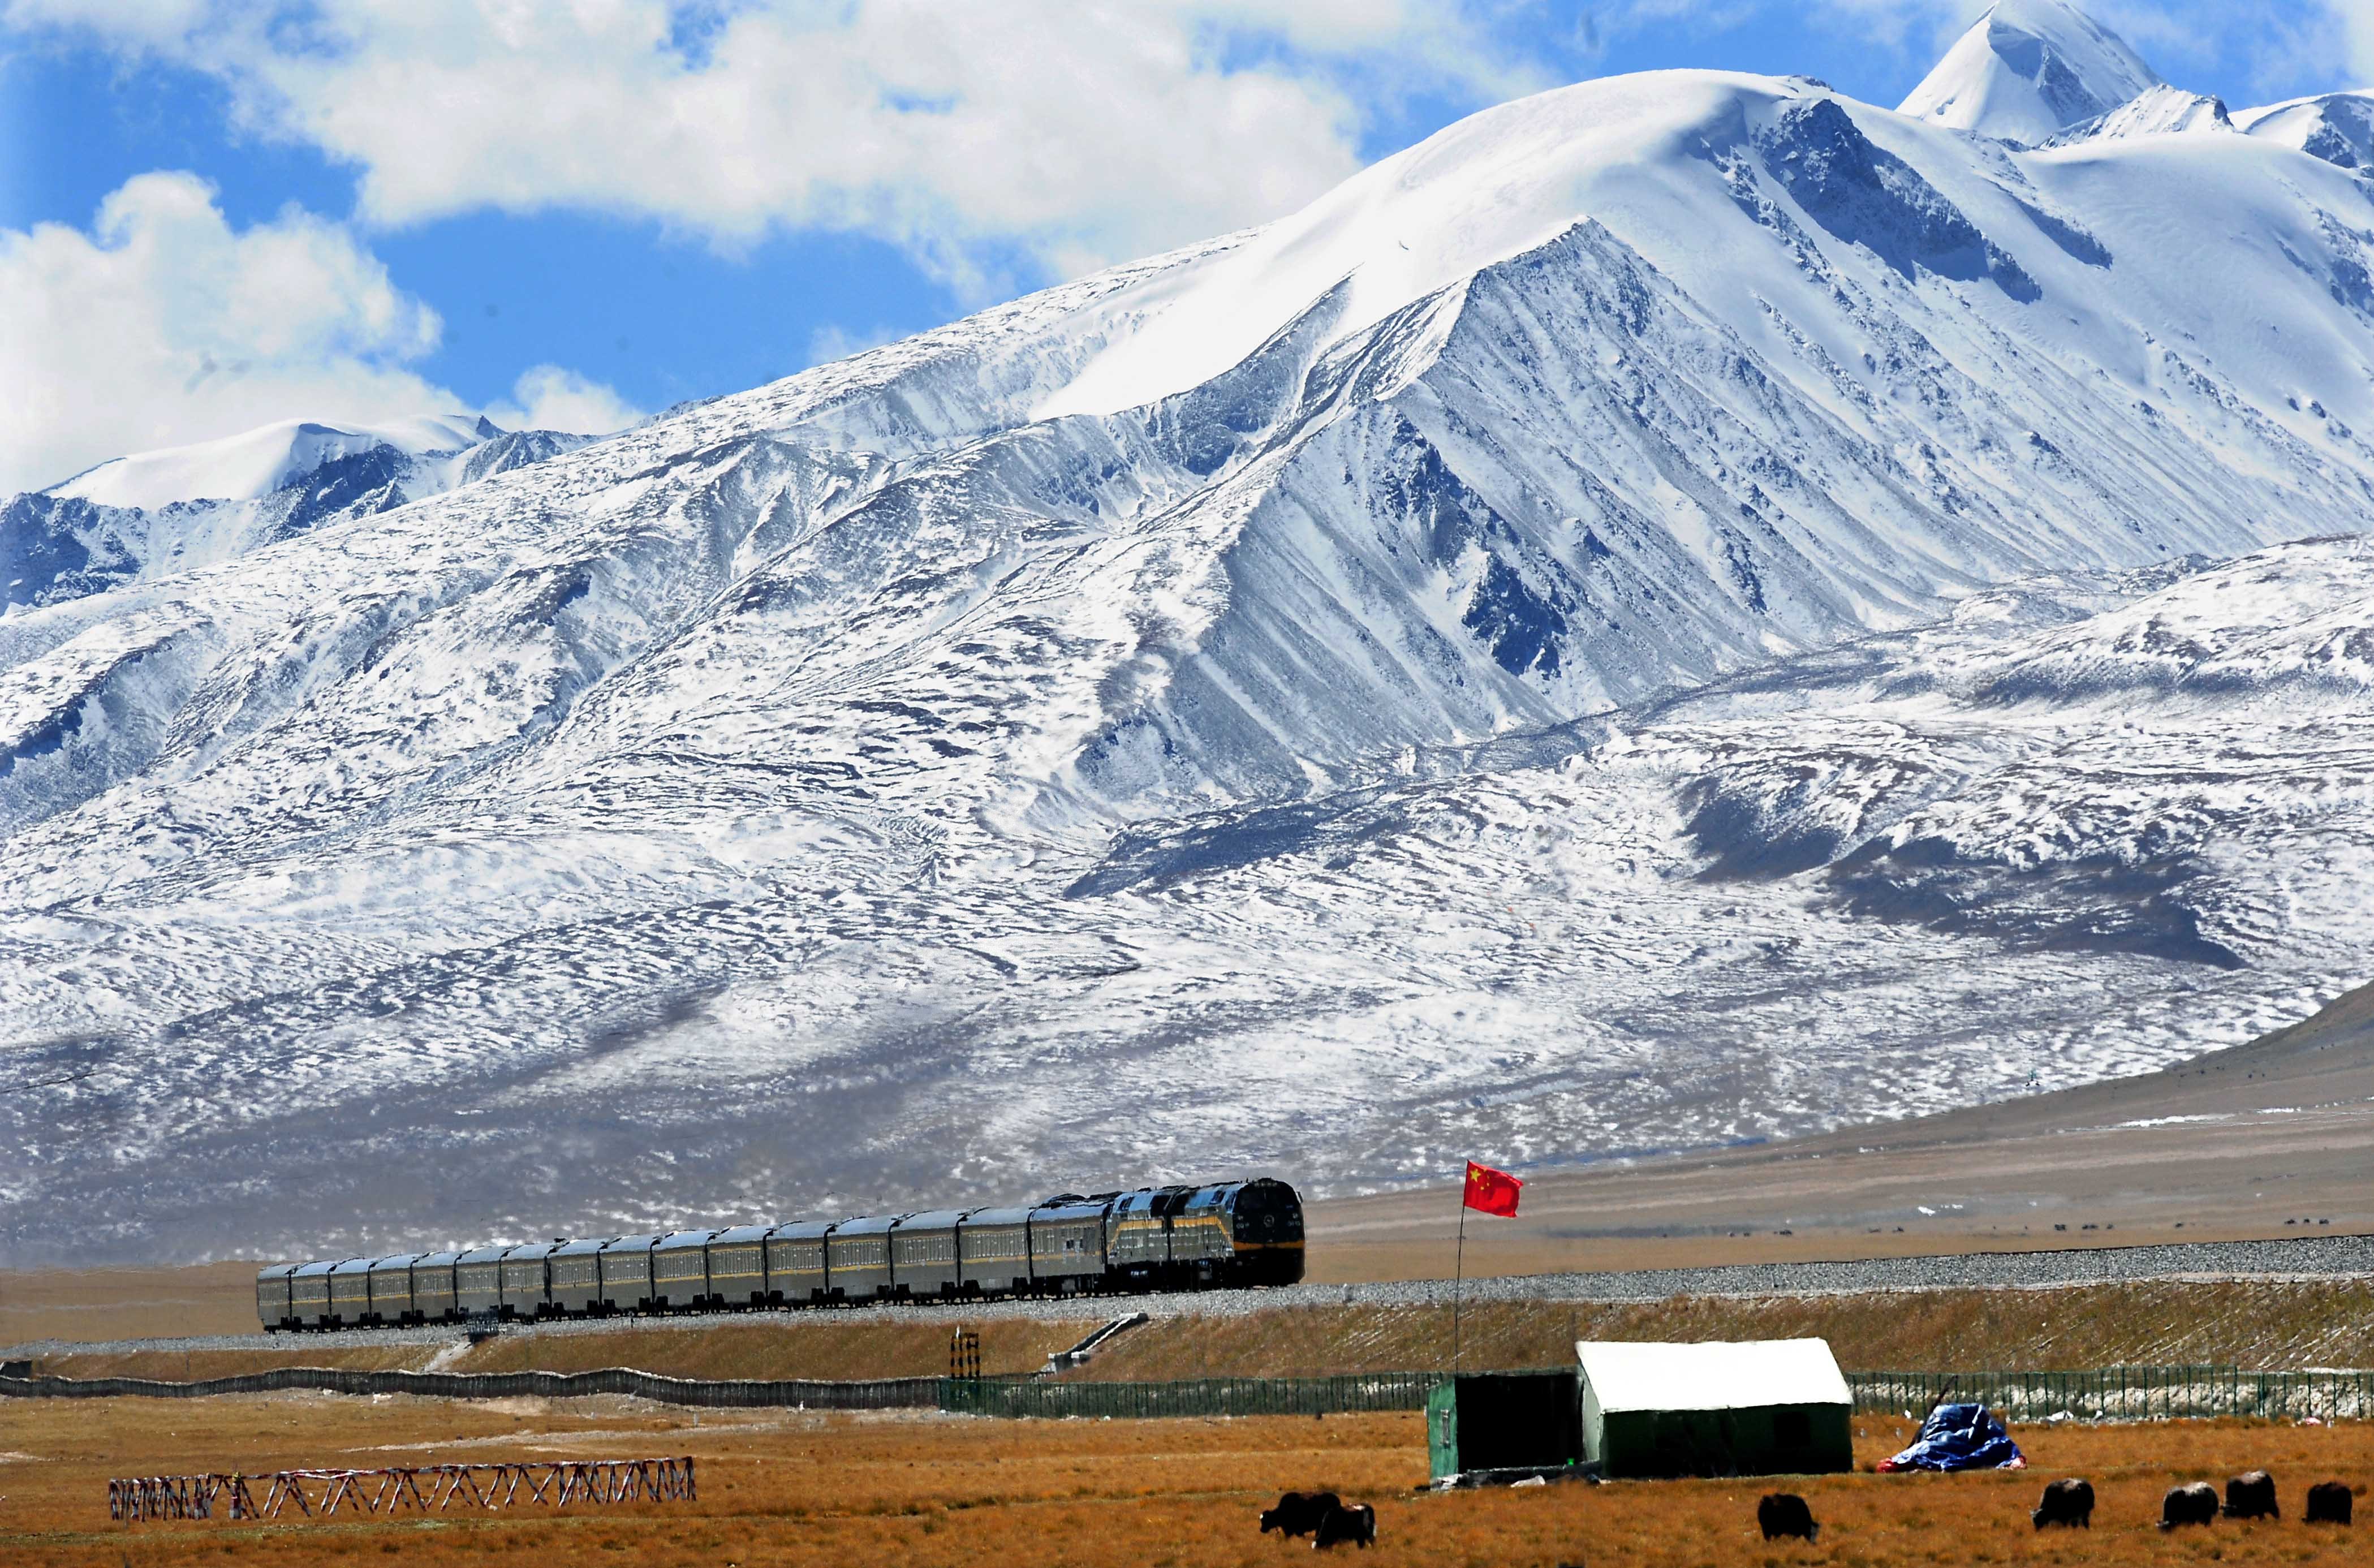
(832, 341)
(1074, 132)
(163, 326)
(547, 398)
(155, 23)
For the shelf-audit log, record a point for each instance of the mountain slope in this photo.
(1601, 633)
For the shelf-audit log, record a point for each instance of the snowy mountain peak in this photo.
(252, 464)
(2157, 111)
(156, 513)
(2028, 69)
(2337, 127)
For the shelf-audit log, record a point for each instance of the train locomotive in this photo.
(1226, 1235)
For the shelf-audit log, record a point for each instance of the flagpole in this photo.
(1458, 1278)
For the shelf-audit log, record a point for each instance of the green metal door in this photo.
(1443, 1430)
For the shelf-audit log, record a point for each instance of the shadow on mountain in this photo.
(1150, 862)
(2095, 905)
(1866, 195)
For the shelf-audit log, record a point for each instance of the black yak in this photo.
(2329, 1502)
(2196, 1504)
(1785, 1514)
(1298, 1512)
(2252, 1496)
(1355, 1522)
(2069, 1503)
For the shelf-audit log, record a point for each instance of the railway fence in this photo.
(2127, 1393)
(2103, 1394)
(885, 1394)
(1088, 1400)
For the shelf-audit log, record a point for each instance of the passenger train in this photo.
(1230, 1234)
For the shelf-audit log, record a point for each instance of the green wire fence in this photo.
(2126, 1393)
(1195, 1397)
(2103, 1394)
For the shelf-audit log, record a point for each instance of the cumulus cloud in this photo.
(163, 324)
(550, 397)
(1072, 131)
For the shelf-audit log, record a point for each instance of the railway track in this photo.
(2323, 1257)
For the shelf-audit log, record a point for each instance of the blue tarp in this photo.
(1959, 1437)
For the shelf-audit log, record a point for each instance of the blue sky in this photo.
(212, 215)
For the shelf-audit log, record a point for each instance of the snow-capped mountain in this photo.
(2028, 69)
(2337, 127)
(2156, 111)
(1682, 608)
(155, 513)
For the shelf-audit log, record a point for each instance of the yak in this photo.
(2251, 1495)
(1298, 1512)
(2196, 1504)
(2329, 1502)
(1785, 1514)
(1355, 1522)
(2069, 1503)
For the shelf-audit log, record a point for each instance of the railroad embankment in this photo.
(2266, 1325)
(2262, 1324)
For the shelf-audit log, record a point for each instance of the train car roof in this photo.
(803, 1229)
(351, 1265)
(526, 1250)
(868, 1225)
(677, 1240)
(740, 1233)
(322, 1265)
(934, 1219)
(629, 1244)
(395, 1260)
(437, 1260)
(997, 1217)
(277, 1271)
(482, 1255)
(1070, 1209)
(581, 1248)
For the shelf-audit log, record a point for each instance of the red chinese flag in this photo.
(1493, 1192)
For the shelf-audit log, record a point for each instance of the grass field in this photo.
(784, 1487)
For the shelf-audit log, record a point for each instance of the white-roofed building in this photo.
(1770, 1407)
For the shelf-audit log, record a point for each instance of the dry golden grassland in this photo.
(784, 1487)
(86, 1304)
